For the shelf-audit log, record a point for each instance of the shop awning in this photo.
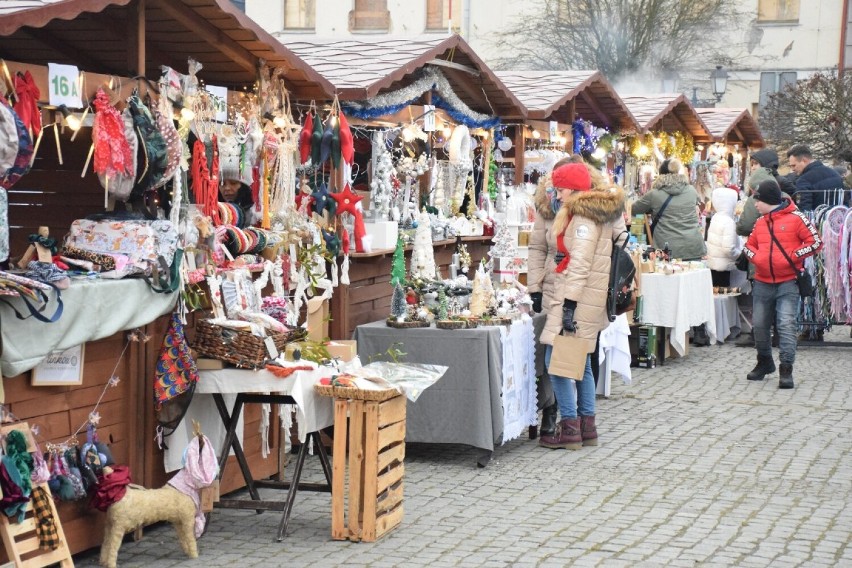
(548, 95)
(732, 125)
(669, 113)
(362, 68)
(100, 36)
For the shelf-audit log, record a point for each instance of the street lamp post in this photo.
(719, 84)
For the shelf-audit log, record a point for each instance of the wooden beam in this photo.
(520, 147)
(572, 116)
(740, 135)
(470, 92)
(209, 33)
(80, 58)
(596, 108)
(111, 27)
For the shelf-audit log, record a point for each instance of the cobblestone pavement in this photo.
(697, 467)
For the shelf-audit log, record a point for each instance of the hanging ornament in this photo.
(347, 142)
(322, 201)
(316, 141)
(305, 138)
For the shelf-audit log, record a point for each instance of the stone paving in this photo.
(697, 467)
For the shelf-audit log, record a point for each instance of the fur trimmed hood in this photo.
(599, 205)
(542, 200)
(673, 184)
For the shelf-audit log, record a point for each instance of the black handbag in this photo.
(803, 277)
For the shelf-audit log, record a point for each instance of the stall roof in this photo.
(363, 67)
(667, 112)
(547, 96)
(733, 125)
(97, 36)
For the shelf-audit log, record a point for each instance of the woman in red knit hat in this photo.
(584, 230)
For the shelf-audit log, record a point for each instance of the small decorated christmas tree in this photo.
(443, 304)
(505, 245)
(399, 308)
(479, 294)
(398, 267)
(423, 255)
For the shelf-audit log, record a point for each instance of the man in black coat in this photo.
(768, 158)
(815, 180)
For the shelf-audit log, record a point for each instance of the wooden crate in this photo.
(376, 437)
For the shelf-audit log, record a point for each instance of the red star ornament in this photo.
(347, 201)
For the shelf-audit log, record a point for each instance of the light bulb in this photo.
(642, 150)
(599, 153)
(187, 114)
(485, 135)
(407, 135)
(536, 134)
(279, 122)
(447, 131)
(562, 140)
(72, 121)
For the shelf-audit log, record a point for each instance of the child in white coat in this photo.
(723, 244)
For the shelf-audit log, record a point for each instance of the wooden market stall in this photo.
(390, 73)
(668, 113)
(735, 130)
(563, 97)
(114, 42)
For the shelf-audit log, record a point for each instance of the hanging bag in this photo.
(622, 273)
(24, 144)
(174, 378)
(803, 277)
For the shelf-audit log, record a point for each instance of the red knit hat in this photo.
(572, 176)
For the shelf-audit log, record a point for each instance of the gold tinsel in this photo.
(677, 145)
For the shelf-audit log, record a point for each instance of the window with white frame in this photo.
(300, 14)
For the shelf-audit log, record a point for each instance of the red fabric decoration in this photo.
(344, 241)
(300, 198)
(572, 176)
(205, 180)
(110, 488)
(360, 232)
(347, 143)
(305, 138)
(113, 155)
(27, 105)
(347, 201)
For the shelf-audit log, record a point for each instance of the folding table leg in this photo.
(232, 441)
(291, 492)
(323, 456)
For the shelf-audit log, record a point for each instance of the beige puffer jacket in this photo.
(541, 276)
(596, 221)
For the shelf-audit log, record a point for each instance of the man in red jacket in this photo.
(775, 293)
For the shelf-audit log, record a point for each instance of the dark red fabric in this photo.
(27, 105)
(111, 488)
(12, 492)
(794, 232)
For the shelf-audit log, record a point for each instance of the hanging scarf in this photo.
(205, 179)
(561, 248)
(48, 535)
(112, 152)
(176, 371)
(27, 105)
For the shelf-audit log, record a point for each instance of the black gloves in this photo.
(568, 323)
(536, 299)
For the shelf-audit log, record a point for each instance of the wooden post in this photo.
(572, 115)
(520, 147)
(486, 159)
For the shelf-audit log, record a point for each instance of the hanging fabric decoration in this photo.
(327, 136)
(347, 202)
(305, 138)
(205, 179)
(347, 142)
(316, 141)
(322, 201)
(28, 96)
(113, 155)
(344, 267)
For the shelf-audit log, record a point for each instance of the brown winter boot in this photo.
(567, 436)
(588, 431)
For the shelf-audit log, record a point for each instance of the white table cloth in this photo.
(727, 317)
(679, 301)
(313, 412)
(614, 354)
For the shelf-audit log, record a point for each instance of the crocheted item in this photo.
(205, 179)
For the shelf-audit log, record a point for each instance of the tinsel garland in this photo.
(584, 140)
(445, 98)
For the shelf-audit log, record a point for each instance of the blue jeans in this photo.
(570, 402)
(779, 302)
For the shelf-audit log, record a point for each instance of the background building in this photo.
(781, 40)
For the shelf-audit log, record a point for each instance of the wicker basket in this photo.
(241, 348)
(408, 324)
(354, 393)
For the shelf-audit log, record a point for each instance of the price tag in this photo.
(554, 130)
(271, 348)
(63, 82)
(428, 118)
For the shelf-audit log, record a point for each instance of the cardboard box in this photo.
(343, 349)
(205, 364)
(524, 238)
(383, 234)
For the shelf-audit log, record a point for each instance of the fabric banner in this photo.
(519, 392)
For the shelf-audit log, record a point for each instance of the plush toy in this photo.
(178, 502)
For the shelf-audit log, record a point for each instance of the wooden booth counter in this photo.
(368, 296)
